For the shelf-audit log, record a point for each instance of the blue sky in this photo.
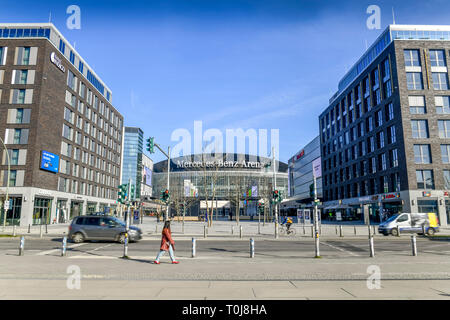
(232, 64)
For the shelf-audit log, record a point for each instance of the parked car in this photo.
(410, 223)
(94, 227)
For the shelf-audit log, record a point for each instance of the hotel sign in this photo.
(57, 62)
(219, 164)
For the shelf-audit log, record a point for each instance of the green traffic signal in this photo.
(151, 145)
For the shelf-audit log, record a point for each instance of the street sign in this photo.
(7, 205)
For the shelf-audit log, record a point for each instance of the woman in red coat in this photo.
(167, 244)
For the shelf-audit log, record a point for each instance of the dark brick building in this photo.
(63, 136)
(385, 136)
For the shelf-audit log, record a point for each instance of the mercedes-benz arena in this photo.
(226, 183)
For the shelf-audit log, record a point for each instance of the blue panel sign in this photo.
(49, 161)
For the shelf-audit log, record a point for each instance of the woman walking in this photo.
(167, 244)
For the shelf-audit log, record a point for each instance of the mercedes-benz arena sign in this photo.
(57, 62)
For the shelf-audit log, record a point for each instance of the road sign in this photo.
(7, 205)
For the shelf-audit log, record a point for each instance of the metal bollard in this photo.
(335, 228)
(354, 229)
(320, 228)
(372, 250)
(398, 232)
(252, 248)
(340, 232)
(368, 227)
(232, 230)
(156, 229)
(22, 246)
(29, 228)
(304, 231)
(64, 246)
(312, 232)
(125, 246)
(240, 232)
(193, 247)
(423, 231)
(374, 231)
(276, 230)
(204, 231)
(40, 231)
(46, 228)
(14, 231)
(414, 245)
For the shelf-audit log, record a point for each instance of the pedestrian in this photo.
(167, 244)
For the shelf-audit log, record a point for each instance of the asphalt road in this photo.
(233, 248)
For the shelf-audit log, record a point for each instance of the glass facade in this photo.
(132, 157)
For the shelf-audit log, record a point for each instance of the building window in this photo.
(419, 129)
(447, 179)
(444, 128)
(417, 104)
(389, 112)
(445, 153)
(425, 179)
(414, 80)
(394, 158)
(437, 58)
(422, 154)
(440, 80)
(392, 137)
(442, 104)
(412, 58)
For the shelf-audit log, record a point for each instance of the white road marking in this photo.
(43, 253)
(340, 249)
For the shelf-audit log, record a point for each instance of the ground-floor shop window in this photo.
(42, 211)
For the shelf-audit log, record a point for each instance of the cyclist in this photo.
(288, 222)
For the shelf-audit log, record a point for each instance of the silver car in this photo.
(94, 227)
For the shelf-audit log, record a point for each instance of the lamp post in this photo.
(7, 183)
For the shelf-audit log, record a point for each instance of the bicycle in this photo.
(283, 230)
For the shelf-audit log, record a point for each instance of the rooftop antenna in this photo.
(50, 17)
(393, 16)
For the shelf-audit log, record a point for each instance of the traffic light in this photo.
(165, 195)
(261, 207)
(275, 195)
(132, 195)
(123, 192)
(150, 145)
(311, 191)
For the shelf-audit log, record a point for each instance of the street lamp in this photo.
(7, 183)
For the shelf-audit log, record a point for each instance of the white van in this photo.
(410, 223)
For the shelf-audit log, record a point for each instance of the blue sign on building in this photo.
(49, 161)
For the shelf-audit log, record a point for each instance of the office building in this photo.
(385, 136)
(63, 135)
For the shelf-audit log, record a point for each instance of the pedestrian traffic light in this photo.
(261, 207)
(150, 145)
(275, 195)
(311, 191)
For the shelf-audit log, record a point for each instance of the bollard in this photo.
(320, 229)
(64, 246)
(40, 231)
(193, 247)
(276, 230)
(22, 246)
(204, 231)
(46, 228)
(312, 232)
(335, 228)
(372, 250)
(125, 246)
(414, 245)
(340, 232)
(354, 230)
(240, 232)
(304, 231)
(252, 248)
(232, 230)
(14, 231)
(423, 230)
(259, 228)
(29, 228)
(374, 231)
(156, 230)
(368, 227)
(398, 232)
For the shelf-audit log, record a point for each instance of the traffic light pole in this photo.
(166, 216)
(316, 221)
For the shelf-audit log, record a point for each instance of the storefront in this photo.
(428, 206)
(14, 213)
(61, 211)
(76, 209)
(42, 211)
(91, 207)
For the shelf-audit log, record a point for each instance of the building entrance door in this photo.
(76, 209)
(42, 211)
